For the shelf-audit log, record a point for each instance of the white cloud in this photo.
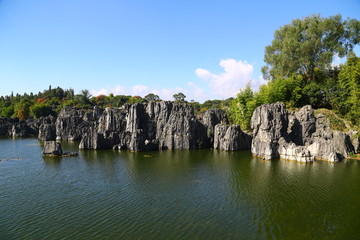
(102, 91)
(255, 84)
(167, 93)
(117, 90)
(142, 90)
(139, 90)
(228, 83)
(196, 92)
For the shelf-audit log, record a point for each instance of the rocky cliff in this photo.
(299, 136)
(155, 125)
(137, 127)
(231, 138)
(13, 127)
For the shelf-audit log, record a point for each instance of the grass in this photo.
(354, 156)
(336, 123)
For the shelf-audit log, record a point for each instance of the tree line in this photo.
(52, 100)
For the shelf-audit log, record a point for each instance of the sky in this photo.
(205, 49)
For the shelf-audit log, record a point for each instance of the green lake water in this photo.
(197, 194)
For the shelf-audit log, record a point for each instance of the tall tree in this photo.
(179, 97)
(349, 79)
(308, 45)
(152, 97)
(242, 107)
(85, 93)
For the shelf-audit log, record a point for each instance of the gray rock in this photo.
(52, 148)
(356, 143)
(323, 149)
(291, 151)
(13, 127)
(307, 137)
(269, 122)
(211, 118)
(106, 132)
(231, 138)
(69, 124)
(47, 132)
(150, 126)
(302, 124)
(46, 128)
(20, 130)
(342, 144)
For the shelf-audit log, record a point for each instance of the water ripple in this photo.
(173, 195)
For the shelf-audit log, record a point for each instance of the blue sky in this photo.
(205, 49)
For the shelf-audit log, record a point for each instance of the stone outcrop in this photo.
(47, 130)
(299, 136)
(291, 151)
(211, 118)
(231, 138)
(151, 126)
(269, 123)
(302, 124)
(13, 127)
(356, 143)
(136, 127)
(70, 123)
(52, 148)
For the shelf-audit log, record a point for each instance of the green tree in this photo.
(41, 110)
(288, 90)
(243, 106)
(22, 109)
(7, 111)
(152, 97)
(308, 45)
(85, 94)
(179, 97)
(349, 79)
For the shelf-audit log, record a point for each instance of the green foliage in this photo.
(152, 97)
(40, 109)
(242, 107)
(22, 109)
(349, 79)
(308, 45)
(289, 90)
(336, 123)
(7, 111)
(135, 99)
(179, 97)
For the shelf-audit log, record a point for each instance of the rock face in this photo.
(137, 127)
(356, 144)
(151, 126)
(231, 138)
(269, 123)
(299, 136)
(13, 127)
(52, 148)
(47, 130)
(211, 118)
(70, 123)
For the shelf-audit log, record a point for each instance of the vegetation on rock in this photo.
(299, 70)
